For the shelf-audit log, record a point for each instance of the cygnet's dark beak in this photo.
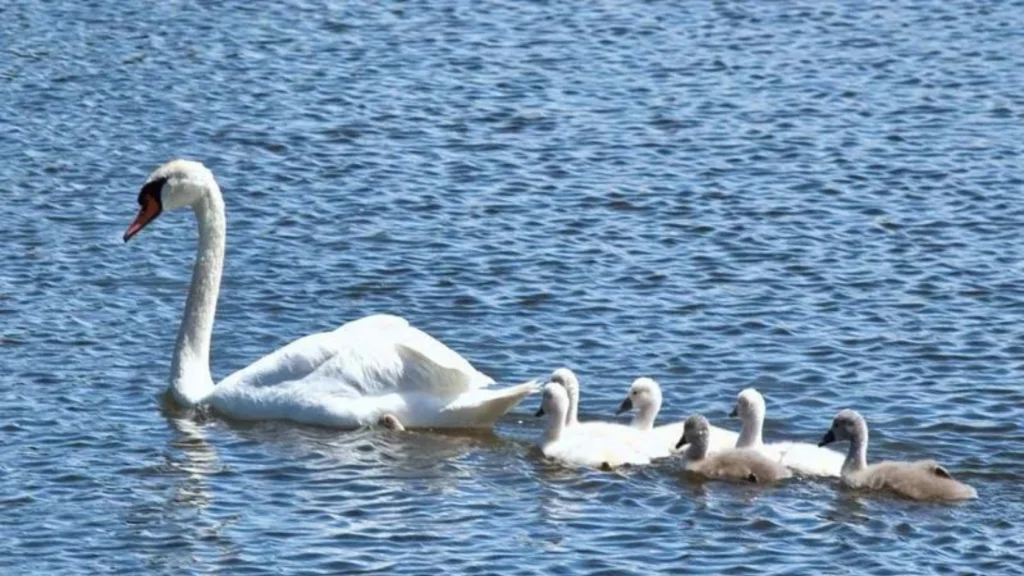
(735, 412)
(626, 406)
(828, 438)
(539, 412)
(682, 440)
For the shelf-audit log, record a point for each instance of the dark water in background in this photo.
(819, 199)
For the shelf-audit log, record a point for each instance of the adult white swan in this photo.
(345, 378)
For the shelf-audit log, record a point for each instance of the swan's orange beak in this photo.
(149, 208)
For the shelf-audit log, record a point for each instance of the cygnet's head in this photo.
(555, 402)
(695, 430)
(643, 392)
(391, 422)
(176, 184)
(566, 378)
(749, 406)
(847, 425)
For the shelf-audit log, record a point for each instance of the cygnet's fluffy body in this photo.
(920, 480)
(657, 442)
(613, 431)
(734, 463)
(802, 458)
(574, 445)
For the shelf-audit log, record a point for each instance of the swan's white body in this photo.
(345, 378)
(576, 445)
(800, 457)
(349, 377)
(645, 396)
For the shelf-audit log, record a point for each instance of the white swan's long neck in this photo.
(191, 381)
(857, 456)
(750, 430)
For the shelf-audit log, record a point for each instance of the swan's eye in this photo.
(152, 189)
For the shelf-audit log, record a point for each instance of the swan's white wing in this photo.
(301, 357)
(434, 366)
(349, 376)
(375, 355)
(292, 362)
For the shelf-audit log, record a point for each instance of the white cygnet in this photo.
(800, 457)
(644, 396)
(574, 445)
(641, 441)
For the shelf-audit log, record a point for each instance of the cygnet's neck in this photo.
(752, 422)
(698, 449)
(191, 381)
(572, 415)
(556, 425)
(857, 456)
(646, 414)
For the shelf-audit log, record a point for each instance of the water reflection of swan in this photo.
(383, 454)
(199, 461)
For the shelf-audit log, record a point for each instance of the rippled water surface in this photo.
(823, 200)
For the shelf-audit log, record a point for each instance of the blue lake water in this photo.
(819, 199)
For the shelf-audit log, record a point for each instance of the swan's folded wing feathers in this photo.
(358, 368)
(448, 369)
(367, 357)
(294, 361)
(300, 358)
(428, 365)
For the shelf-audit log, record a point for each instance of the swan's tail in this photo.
(483, 407)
